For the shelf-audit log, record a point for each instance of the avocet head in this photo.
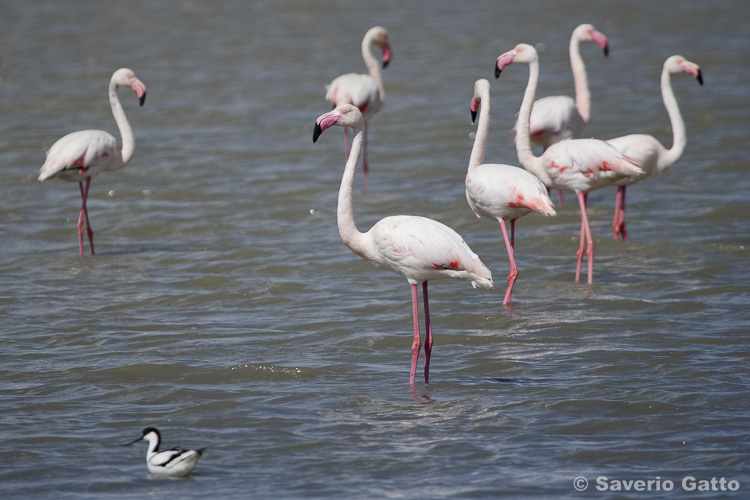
(150, 434)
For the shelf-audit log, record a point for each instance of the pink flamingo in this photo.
(554, 118)
(81, 155)
(576, 165)
(417, 248)
(646, 150)
(364, 91)
(500, 192)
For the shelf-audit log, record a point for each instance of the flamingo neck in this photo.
(523, 140)
(480, 139)
(373, 66)
(350, 235)
(679, 137)
(126, 133)
(580, 80)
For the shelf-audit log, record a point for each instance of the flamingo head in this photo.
(481, 87)
(379, 37)
(125, 77)
(678, 64)
(587, 33)
(345, 115)
(522, 53)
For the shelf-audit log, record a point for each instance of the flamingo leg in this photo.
(84, 216)
(513, 269)
(560, 197)
(585, 231)
(621, 220)
(417, 343)
(364, 159)
(428, 334)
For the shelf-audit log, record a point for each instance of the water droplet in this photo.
(111, 194)
(472, 135)
(312, 211)
(146, 192)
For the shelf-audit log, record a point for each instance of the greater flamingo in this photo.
(576, 165)
(500, 192)
(81, 155)
(364, 91)
(645, 149)
(554, 118)
(417, 248)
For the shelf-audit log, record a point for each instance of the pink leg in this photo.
(364, 160)
(513, 269)
(616, 217)
(560, 197)
(585, 231)
(428, 334)
(416, 345)
(85, 216)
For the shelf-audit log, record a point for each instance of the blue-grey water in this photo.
(223, 308)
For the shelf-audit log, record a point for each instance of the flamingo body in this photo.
(365, 91)
(557, 119)
(418, 248)
(79, 156)
(646, 150)
(578, 165)
(500, 192)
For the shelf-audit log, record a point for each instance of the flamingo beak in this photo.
(474, 109)
(139, 88)
(600, 39)
(504, 60)
(386, 54)
(325, 121)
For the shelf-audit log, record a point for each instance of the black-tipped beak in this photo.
(142, 99)
(473, 116)
(317, 131)
(606, 50)
(385, 64)
(700, 77)
(497, 71)
(132, 442)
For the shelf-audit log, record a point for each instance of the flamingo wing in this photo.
(505, 192)
(586, 164)
(553, 119)
(79, 155)
(422, 249)
(357, 89)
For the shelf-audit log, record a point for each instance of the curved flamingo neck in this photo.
(373, 65)
(480, 139)
(126, 133)
(350, 235)
(523, 140)
(679, 137)
(580, 80)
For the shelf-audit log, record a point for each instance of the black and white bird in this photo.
(174, 462)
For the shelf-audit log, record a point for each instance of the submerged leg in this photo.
(428, 334)
(513, 269)
(623, 231)
(416, 345)
(83, 217)
(560, 197)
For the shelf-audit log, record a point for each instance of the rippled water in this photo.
(223, 308)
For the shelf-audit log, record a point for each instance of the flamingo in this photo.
(417, 248)
(81, 155)
(500, 192)
(554, 118)
(646, 150)
(577, 165)
(364, 91)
